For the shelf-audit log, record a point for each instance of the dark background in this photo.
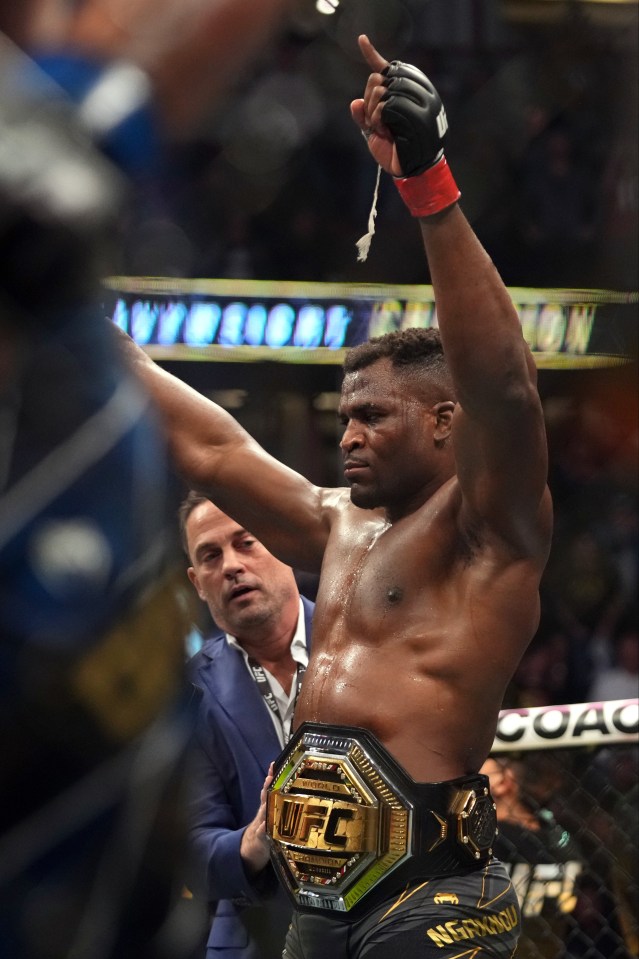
(277, 184)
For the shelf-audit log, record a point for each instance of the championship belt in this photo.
(344, 819)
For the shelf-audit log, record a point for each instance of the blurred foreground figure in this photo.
(93, 712)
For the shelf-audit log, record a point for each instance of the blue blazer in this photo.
(233, 745)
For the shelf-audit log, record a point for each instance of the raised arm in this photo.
(498, 430)
(218, 457)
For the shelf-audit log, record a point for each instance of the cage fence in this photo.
(566, 784)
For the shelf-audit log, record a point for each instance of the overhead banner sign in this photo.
(246, 320)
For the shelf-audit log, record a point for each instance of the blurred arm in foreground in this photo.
(93, 712)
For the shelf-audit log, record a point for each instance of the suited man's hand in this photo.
(254, 848)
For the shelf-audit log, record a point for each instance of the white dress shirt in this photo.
(285, 703)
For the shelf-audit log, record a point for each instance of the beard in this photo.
(250, 617)
(368, 497)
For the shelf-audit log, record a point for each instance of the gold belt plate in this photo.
(337, 824)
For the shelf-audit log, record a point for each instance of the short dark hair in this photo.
(413, 349)
(188, 504)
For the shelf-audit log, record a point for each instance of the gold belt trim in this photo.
(342, 816)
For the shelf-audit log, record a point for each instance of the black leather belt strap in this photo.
(346, 822)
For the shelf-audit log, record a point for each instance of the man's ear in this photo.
(190, 572)
(444, 419)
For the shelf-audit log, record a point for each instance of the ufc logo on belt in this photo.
(328, 824)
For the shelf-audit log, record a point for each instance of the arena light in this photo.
(326, 6)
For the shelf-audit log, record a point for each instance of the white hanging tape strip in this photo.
(364, 242)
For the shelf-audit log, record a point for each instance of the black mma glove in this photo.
(414, 114)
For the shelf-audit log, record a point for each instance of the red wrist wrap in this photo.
(430, 191)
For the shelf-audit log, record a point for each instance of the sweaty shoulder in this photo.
(463, 537)
(334, 500)
(525, 535)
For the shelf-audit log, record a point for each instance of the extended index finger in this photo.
(375, 60)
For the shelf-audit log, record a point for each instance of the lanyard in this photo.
(263, 685)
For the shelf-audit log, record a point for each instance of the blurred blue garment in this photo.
(95, 713)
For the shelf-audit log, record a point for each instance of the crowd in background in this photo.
(587, 645)
(542, 140)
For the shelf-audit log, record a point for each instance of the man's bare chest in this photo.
(385, 570)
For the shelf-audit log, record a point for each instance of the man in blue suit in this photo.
(248, 676)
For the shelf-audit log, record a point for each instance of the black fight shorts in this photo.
(476, 914)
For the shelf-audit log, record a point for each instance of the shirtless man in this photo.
(430, 566)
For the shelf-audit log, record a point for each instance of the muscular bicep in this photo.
(502, 465)
(216, 456)
(286, 512)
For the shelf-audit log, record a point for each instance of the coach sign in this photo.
(577, 724)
